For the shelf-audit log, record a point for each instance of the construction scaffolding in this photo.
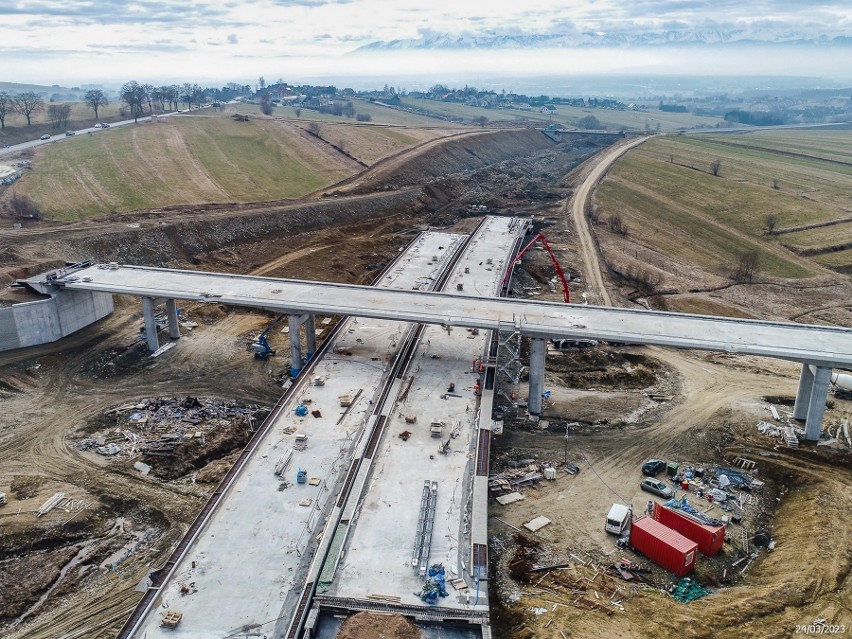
(509, 357)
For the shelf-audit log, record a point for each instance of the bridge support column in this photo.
(538, 351)
(803, 394)
(150, 323)
(171, 313)
(816, 406)
(310, 337)
(295, 324)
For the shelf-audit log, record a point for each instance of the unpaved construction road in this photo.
(578, 204)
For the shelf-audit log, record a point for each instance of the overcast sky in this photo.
(77, 41)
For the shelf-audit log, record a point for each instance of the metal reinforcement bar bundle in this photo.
(425, 523)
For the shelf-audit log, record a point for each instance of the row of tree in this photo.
(138, 97)
(29, 103)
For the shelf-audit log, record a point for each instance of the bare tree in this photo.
(616, 223)
(746, 265)
(589, 122)
(23, 207)
(173, 96)
(646, 279)
(776, 183)
(313, 129)
(771, 223)
(198, 94)
(480, 120)
(6, 104)
(95, 99)
(58, 115)
(28, 103)
(135, 96)
(298, 112)
(149, 98)
(715, 166)
(186, 94)
(265, 101)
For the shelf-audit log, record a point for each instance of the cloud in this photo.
(115, 11)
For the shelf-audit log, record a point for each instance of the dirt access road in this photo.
(578, 205)
(716, 401)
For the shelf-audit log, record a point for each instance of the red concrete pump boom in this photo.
(565, 292)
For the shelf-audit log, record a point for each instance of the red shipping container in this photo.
(664, 546)
(709, 538)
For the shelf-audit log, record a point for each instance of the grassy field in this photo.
(569, 116)
(672, 203)
(177, 161)
(379, 115)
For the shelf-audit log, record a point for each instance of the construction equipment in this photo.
(540, 237)
(260, 347)
(302, 476)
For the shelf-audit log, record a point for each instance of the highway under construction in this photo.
(367, 488)
(324, 512)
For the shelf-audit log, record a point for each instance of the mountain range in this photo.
(434, 40)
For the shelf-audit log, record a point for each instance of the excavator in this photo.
(260, 347)
(566, 295)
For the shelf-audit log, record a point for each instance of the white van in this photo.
(618, 519)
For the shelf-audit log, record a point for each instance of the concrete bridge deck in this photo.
(822, 346)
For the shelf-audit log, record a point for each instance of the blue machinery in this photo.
(262, 349)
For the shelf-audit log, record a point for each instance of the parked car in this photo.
(69, 133)
(653, 467)
(98, 125)
(45, 137)
(104, 125)
(657, 487)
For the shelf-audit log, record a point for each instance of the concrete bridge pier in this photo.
(150, 323)
(538, 350)
(171, 314)
(811, 397)
(148, 306)
(295, 324)
(310, 336)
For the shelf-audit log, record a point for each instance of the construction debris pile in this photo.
(526, 472)
(783, 427)
(552, 579)
(60, 501)
(157, 426)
